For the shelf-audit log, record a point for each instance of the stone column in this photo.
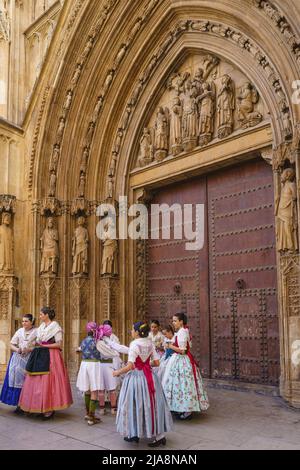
(8, 281)
(288, 262)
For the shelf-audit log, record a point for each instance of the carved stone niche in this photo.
(206, 99)
(79, 316)
(290, 275)
(110, 308)
(8, 288)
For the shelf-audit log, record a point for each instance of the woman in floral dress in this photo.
(182, 381)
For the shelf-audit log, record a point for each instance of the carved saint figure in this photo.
(176, 126)
(6, 244)
(190, 116)
(286, 212)
(54, 158)
(81, 189)
(146, 155)
(68, 101)
(52, 184)
(161, 134)
(49, 249)
(247, 98)
(226, 107)
(60, 131)
(207, 106)
(80, 244)
(110, 250)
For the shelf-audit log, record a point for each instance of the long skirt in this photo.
(89, 377)
(14, 380)
(134, 417)
(51, 392)
(182, 393)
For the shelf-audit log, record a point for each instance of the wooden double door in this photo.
(227, 289)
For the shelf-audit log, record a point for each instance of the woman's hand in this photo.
(116, 373)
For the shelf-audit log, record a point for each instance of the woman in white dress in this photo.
(157, 337)
(21, 344)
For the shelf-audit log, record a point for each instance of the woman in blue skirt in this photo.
(142, 409)
(22, 344)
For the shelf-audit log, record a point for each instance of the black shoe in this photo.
(182, 417)
(132, 439)
(161, 442)
(48, 416)
(18, 411)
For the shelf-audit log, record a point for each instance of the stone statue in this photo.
(68, 102)
(6, 245)
(97, 109)
(90, 135)
(54, 159)
(226, 107)
(76, 75)
(176, 126)
(287, 126)
(84, 160)
(207, 107)
(80, 244)
(146, 155)
(52, 184)
(286, 213)
(189, 117)
(110, 250)
(81, 189)
(161, 134)
(60, 131)
(247, 98)
(49, 249)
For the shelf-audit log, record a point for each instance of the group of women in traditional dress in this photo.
(36, 380)
(161, 376)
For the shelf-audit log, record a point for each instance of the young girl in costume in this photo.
(90, 380)
(157, 337)
(182, 381)
(168, 333)
(143, 410)
(110, 361)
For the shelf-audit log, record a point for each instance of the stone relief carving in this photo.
(6, 245)
(226, 107)
(247, 98)
(200, 107)
(146, 148)
(286, 213)
(161, 134)
(109, 265)
(49, 249)
(80, 244)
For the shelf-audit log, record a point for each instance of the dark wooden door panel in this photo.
(177, 279)
(228, 289)
(243, 271)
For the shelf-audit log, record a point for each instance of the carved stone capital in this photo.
(8, 203)
(80, 206)
(50, 206)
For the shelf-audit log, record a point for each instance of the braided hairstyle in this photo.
(142, 328)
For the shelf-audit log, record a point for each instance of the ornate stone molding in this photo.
(290, 272)
(4, 25)
(204, 27)
(8, 203)
(282, 24)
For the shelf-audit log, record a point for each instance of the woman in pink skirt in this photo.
(47, 386)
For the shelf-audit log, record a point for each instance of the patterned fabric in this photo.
(16, 370)
(89, 349)
(182, 381)
(134, 417)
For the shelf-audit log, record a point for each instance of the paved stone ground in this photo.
(236, 421)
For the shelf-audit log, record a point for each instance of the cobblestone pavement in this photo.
(236, 420)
